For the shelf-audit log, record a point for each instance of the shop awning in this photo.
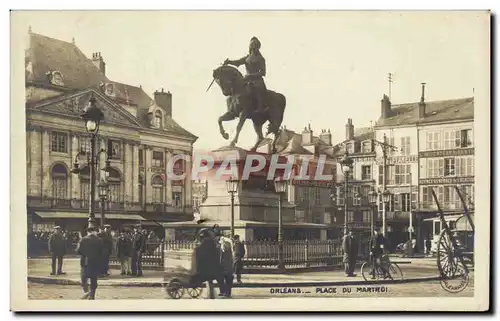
(110, 216)
(446, 217)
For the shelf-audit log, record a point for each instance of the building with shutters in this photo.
(138, 131)
(435, 149)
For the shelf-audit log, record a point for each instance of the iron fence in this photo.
(259, 254)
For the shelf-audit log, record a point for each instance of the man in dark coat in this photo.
(107, 241)
(123, 251)
(239, 254)
(57, 249)
(138, 246)
(350, 250)
(91, 250)
(377, 243)
(205, 262)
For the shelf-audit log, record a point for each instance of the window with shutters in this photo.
(466, 138)
(449, 166)
(405, 146)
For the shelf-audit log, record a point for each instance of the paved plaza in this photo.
(420, 274)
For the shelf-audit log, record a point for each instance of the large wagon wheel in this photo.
(447, 261)
(194, 292)
(175, 288)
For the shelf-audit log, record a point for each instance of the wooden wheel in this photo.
(175, 289)
(194, 292)
(447, 262)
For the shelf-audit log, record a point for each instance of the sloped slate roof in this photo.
(435, 111)
(47, 54)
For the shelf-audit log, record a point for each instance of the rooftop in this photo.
(435, 112)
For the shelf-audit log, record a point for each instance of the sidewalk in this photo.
(417, 271)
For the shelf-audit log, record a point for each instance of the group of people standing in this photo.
(350, 251)
(218, 258)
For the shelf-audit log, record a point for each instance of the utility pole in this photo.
(386, 147)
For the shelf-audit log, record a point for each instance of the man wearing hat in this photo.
(350, 249)
(57, 249)
(107, 240)
(138, 246)
(91, 250)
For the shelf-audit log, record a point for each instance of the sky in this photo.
(330, 65)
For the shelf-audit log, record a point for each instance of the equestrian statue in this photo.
(248, 97)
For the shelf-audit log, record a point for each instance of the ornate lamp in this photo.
(92, 116)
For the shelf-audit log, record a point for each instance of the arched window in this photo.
(158, 119)
(157, 184)
(59, 182)
(115, 184)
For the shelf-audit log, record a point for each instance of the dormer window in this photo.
(158, 119)
(56, 78)
(350, 148)
(366, 147)
(109, 90)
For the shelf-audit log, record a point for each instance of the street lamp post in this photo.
(386, 147)
(346, 163)
(280, 186)
(372, 198)
(232, 187)
(386, 197)
(92, 116)
(103, 195)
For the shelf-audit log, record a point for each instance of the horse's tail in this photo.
(277, 112)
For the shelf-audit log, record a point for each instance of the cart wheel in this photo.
(447, 262)
(175, 289)
(194, 292)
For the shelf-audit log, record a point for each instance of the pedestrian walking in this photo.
(239, 254)
(350, 250)
(205, 262)
(138, 246)
(107, 240)
(57, 249)
(428, 244)
(91, 249)
(226, 262)
(123, 250)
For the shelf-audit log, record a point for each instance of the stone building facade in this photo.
(138, 132)
(435, 148)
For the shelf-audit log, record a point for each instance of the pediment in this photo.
(72, 105)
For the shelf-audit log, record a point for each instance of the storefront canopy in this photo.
(110, 216)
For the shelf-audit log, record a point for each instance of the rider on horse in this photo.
(255, 65)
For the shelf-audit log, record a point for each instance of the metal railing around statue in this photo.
(264, 254)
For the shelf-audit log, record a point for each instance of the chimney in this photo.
(326, 137)
(421, 105)
(99, 62)
(164, 100)
(349, 130)
(386, 107)
(307, 135)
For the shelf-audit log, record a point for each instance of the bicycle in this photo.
(384, 269)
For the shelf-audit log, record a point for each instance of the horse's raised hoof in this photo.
(225, 136)
(232, 144)
(274, 151)
(253, 149)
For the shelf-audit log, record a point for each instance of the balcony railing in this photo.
(83, 204)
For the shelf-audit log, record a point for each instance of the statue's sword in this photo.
(210, 84)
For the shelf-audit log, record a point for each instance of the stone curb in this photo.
(46, 280)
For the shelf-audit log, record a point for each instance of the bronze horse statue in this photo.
(240, 104)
